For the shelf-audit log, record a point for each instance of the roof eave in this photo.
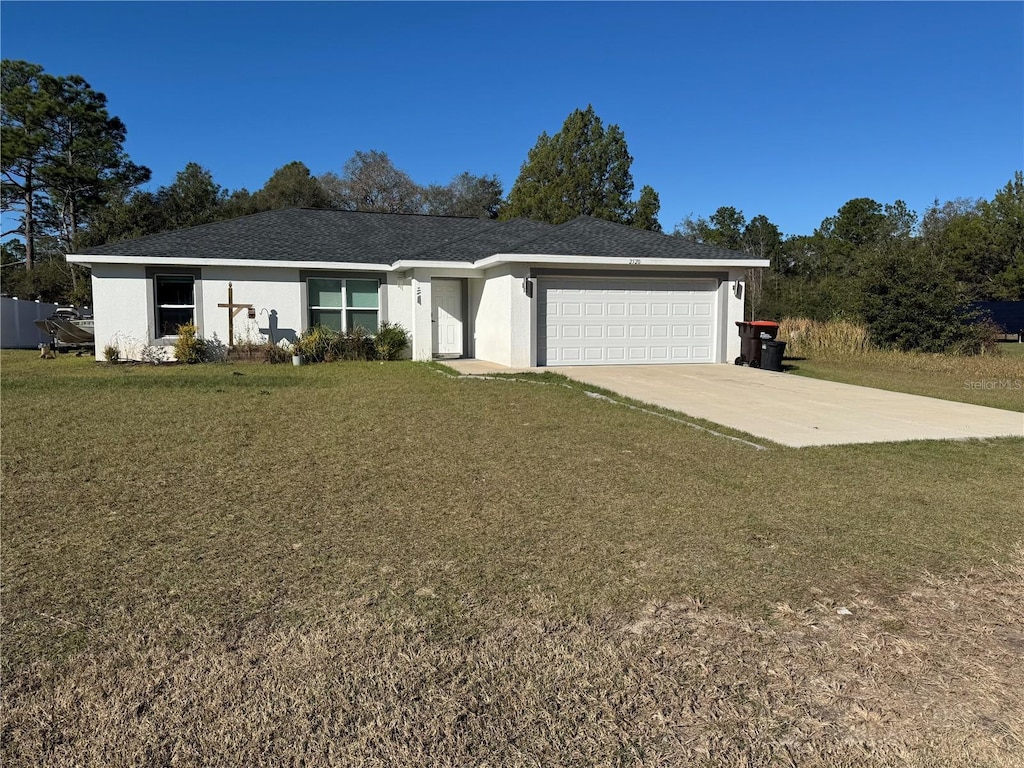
(497, 259)
(642, 261)
(432, 264)
(172, 261)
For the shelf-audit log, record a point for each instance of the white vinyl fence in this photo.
(17, 328)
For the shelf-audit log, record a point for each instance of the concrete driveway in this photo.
(787, 409)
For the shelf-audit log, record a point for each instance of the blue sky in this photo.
(782, 109)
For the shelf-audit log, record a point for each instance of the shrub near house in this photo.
(190, 348)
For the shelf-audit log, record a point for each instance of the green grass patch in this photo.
(994, 380)
(195, 510)
(235, 488)
(1010, 348)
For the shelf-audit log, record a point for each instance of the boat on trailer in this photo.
(69, 329)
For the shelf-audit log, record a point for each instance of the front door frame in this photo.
(463, 293)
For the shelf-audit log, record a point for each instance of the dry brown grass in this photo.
(934, 678)
(815, 338)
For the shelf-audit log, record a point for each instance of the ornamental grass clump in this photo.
(317, 345)
(391, 341)
(325, 345)
(357, 344)
(275, 354)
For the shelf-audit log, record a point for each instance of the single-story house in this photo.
(519, 293)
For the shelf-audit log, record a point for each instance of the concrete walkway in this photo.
(787, 409)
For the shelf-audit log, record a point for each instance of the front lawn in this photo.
(996, 380)
(376, 564)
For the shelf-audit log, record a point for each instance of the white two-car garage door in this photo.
(604, 321)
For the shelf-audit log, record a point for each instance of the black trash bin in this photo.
(771, 355)
(752, 335)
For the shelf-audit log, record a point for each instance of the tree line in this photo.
(69, 184)
(600, 184)
(912, 280)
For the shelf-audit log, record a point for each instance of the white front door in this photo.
(446, 317)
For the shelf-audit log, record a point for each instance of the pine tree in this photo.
(63, 155)
(24, 142)
(581, 170)
(647, 207)
(194, 198)
(86, 164)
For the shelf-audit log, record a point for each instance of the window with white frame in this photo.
(175, 302)
(344, 304)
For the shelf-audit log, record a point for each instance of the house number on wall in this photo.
(634, 261)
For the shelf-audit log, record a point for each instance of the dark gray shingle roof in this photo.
(315, 235)
(303, 235)
(587, 236)
(498, 238)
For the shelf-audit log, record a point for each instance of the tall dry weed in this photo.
(815, 338)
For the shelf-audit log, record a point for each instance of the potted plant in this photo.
(297, 356)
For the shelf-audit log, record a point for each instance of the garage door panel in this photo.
(626, 320)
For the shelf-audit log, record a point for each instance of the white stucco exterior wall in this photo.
(422, 332)
(396, 301)
(492, 338)
(492, 335)
(274, 293)
(126, 317)
(122, 314)
(522, 342)
(734, 313)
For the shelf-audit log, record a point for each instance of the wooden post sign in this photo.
(233, 310)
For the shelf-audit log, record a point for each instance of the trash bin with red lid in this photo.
(751, 335)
